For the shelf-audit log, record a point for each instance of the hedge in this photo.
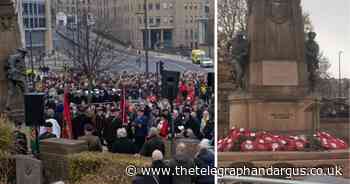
(102, 168)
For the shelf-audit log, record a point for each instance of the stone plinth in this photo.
(272, 113)
(54, 155)
(28, 170)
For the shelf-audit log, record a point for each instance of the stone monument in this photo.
(28, 170)
(276, 95)
(10, 41)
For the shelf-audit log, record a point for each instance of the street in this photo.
(62, 41)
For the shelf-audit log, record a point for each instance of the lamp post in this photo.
(146, 37)
(339, 71)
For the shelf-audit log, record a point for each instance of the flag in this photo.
(67, 128)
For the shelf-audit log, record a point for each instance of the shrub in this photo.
(102, 168)
(6, 134)
(7, 168)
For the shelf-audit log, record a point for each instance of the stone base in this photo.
(272, 113)
(312, 159)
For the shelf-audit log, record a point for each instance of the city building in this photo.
(172, 24)
(37, 26)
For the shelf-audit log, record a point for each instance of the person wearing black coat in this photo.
(79, 123)
(181, 159)
(159, 164)
(122, 144)
(154, 142)
(110, 128)
(204, 159)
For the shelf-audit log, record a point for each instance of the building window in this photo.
(158, 20)
(139, 6)
(171, 19)
(25, 9)
(186, 34)
(151, 21)
(42, 22)
(157, 6)
(41, 9)
(150, 6)
(165, 5)
(185, 6)
(26, 22)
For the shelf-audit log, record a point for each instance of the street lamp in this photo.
(146, 35)
(339, 71)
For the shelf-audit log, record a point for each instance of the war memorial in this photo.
(272, 116)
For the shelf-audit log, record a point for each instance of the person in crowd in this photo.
(158, 162)
(112, 123)
(154, 142)
(204, 159)
(99, 122)
(122, 144)
(48, 134)
(193, 124)
(181, 159)
(79, 122)
(21, 146)
(163, 126)
(94, 143)
(56, 128)
(140, 130)
(204, 121)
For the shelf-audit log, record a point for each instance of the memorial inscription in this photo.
(280, 73)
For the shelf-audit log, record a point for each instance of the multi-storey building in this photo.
(171, 23)
(37, 25)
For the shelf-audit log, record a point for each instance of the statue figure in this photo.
(15, 69)
(312, 50)
(240, 57)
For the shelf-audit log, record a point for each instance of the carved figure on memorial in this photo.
(312, 50)
(240, 57)
(15, 72)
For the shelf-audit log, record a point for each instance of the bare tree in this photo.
(92, 53)
(232, 18)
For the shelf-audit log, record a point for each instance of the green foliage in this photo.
(6, 135)
(102, 168)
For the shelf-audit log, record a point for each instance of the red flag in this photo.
(67, 132)
(124, 108)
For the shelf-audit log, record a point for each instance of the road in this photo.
(62, 40)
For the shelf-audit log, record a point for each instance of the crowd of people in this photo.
(125, 113)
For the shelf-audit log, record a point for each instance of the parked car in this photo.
(206, 62)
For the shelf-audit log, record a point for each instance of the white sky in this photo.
(331, 20)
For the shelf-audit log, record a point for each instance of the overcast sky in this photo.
(331, 19)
